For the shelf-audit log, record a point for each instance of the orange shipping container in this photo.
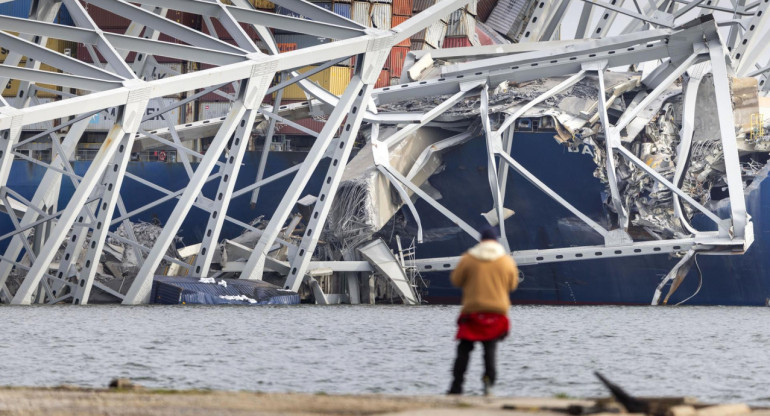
(397, 20)
(396, 60)
(402, 7)
(456, 42)
(383, 80)
(287, 47)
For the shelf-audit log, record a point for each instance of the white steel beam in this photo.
(738, 213)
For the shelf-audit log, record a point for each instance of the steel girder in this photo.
(91, 210)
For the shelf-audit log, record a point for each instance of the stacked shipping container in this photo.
(21, 9)
(402, 11)
(461, 28)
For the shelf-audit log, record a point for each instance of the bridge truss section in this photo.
(90, 216)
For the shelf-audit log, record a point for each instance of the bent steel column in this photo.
(132, 116)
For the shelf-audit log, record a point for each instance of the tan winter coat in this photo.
(486, 275)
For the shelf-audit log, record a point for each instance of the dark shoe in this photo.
(488, 386)
(454, 390)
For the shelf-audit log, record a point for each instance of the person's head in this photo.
(488, 233)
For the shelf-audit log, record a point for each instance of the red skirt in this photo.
(482, 326)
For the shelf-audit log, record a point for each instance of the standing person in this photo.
(486, 274)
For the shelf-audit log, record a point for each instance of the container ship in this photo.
(372, 225)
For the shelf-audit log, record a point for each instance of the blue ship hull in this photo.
(25, 177)
(539, 223)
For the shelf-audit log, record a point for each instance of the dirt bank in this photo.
(66, 401)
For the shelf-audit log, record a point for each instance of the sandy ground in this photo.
(87, 402)
(66, 401)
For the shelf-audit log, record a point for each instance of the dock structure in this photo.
(709, 54)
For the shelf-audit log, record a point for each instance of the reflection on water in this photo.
(715, 354)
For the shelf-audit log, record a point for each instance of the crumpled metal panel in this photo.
(461, 23)
(506, 15)
(435, 33)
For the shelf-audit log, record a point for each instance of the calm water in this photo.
(716, 353)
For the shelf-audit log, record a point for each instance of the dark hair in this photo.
(489, 233)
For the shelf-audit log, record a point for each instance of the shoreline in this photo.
(135, 400)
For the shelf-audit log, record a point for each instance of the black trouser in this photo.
(464, 349)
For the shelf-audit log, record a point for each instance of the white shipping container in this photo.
(360, 13)
(207, 110)
(472, 7)
(161, 121)
(104, 120)
(461, 24)
(435, 34)
(507, 15)
(381, 15)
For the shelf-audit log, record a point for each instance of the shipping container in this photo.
(106, 19)
(342, 9)
(461, 23)
(83, 55)
(418, 45)
(325, 5)
(396, 60)
(383, 80)
(397, 20)
(64, 17)
(402, 7)
(360, 13)
(11, 88)
(287, 12)
(213, 109)
(225, 36)
(262, 4)
(286, 47)
(495, 37)
(420, 5)
(343, 1)
(508, 17)
(383, 1)
(472, 7)
(435, 33)
(61, 46)
(334, 80)
(309, 123)
(456, 42)
(302, 41)
(162, 121)
(21, 8)
(381, 16)
(104, 120)
(484, 9)
(18, 8)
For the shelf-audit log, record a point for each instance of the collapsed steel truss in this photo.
(678, 36)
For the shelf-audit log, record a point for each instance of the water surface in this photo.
(718, 354)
